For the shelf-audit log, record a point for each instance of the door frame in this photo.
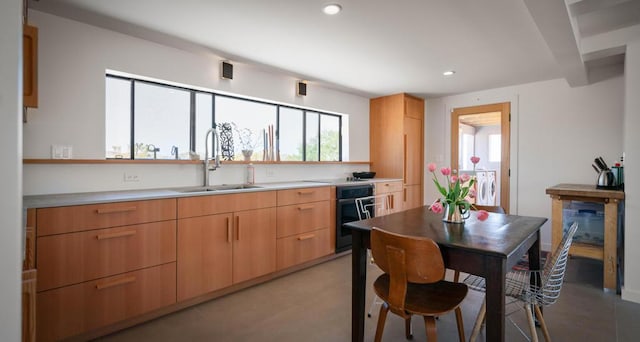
(505, 130)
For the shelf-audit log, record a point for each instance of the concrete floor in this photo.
(315, 305)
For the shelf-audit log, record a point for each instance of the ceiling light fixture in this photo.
(448, 72)
(332, 9)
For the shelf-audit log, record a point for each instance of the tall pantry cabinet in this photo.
(396, 143)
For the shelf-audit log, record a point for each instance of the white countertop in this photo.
(60, 200)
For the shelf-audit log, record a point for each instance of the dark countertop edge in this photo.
(83, 198)
(358, 225)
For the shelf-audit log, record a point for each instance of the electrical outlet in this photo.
(131, 177)
(61, 151)
(269, 173)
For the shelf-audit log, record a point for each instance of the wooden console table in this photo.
(589, 193)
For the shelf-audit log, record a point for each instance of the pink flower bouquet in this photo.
(456, 193)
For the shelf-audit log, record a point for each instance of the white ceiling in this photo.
(376, 47)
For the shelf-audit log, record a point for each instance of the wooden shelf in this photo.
(173, 161)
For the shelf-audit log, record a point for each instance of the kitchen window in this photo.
(147, 120)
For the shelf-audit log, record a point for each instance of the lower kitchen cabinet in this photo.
(204, 254)
(29, 305)
(412, 196)
(394, 193)
(101, 266)
(254, 244)
(71, 310)
(297, 249)
(216, 251)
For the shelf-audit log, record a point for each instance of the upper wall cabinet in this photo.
(30, 66)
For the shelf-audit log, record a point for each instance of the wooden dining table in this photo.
(485, 248)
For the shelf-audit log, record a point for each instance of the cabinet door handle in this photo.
(121, 281)
(404, 194)
(305, 192)
(115, 210)
(228, 230)
(238, 228)
(306, 237)
(404, 160)
(392, 205)
(115, 235)
(306, 207)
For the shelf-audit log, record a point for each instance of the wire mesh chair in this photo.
(543, 292)
(369, 207)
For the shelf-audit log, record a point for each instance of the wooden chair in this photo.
(413, 282)
(368, 207)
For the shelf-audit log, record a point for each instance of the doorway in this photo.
(494, 119)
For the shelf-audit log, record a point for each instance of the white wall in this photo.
(10, 169)
(631, 290)
(73, 57)
(556, 131)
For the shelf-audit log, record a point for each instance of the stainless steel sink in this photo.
(232, 187)
(223, 187)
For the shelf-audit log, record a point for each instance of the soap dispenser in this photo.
(251, 174)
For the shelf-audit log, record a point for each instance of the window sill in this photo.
(173, 161)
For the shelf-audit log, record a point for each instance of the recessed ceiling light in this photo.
(449, 72)
(332, 9)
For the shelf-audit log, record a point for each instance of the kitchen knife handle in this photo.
(606, 167)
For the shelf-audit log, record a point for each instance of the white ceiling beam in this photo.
(554, 23)
(609, 40)
(579, 7)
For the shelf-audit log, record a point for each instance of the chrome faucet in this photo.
(216, 149)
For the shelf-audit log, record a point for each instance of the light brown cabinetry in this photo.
(254, 244)
(66, 259)
(303, 227)
(29, 281)
(204, 254)
(30, 66)
(71, 310)
(224, 240)
(100, 264)
(394, 193)
(396, 143)
(105, 266)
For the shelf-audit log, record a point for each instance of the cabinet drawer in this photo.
(67, 259)
(294, 250)
(388, 187)
(304, 195)
(85, 217)
(300, 218)
(219, 204)
(75, 309)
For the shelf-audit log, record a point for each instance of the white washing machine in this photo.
(492, 188)
(482, 188)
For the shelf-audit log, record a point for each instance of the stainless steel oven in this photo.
(346, 211)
